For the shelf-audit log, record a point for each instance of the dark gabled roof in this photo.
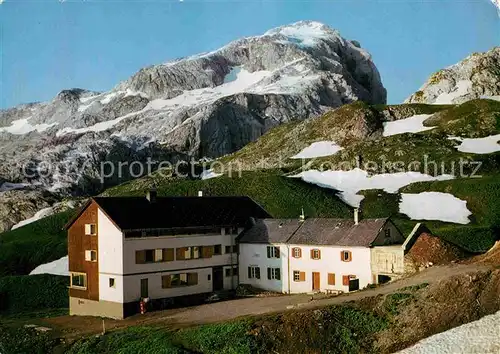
(137, 213)
(270, 231)
(321, 232)
(337, 232)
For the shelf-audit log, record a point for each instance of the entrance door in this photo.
(218, 278)
(144, 288)
(316, 284)
(353, 284)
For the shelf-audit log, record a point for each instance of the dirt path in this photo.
(71, 327)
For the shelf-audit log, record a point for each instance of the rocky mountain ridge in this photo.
(203, 106)
(477, 76)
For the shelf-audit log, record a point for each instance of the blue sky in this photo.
(47, 46)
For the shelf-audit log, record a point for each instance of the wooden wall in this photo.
(78, 243)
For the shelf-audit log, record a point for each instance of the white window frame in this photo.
(274, 272)
(253, 272)
(88, 229)
(297, 252)
(88, 255)
(273, 252)
(84, 287)
(316, 253)
(296, 275)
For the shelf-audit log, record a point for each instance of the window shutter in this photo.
(277, 252)
(345, 280)
(268, 252)
(192, 278)
(319, 254)
(180, 253)
(140, 257)
(249, 272)
(302, 276)
(168, 254)
(312, 254)
(331, 278)
(300, 252)
(87, 255)
(166, 281)
(278, 274)
(159, 255)
(269, 273)
(87, 229)
(350, 256)
(257, 272)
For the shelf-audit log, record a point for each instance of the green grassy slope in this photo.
(23, 249)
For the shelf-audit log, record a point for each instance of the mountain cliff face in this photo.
(202, 106)
(476, 76)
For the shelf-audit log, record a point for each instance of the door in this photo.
(218, 278)
(316, 284)
(144, 288)
(353, 284)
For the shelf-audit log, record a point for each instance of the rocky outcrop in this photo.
(476, 76)
(206, 105)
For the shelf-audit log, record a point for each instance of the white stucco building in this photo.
(302, 256)
(124, 249)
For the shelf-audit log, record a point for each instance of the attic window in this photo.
(346, 256)
(387, 233)
(90, 229)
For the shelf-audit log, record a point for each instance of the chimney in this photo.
(151, 196)
(200, 193)
(356, 216)
(302, 216)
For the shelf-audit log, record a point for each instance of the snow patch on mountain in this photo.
(318, 149)
(412, 124)
(303, 33)
(485, 145)
(208, 174)
(23, 126)
(57, 267)
(38, 215)
(434, 206)
(461, 88)
(477, 337)
(349, 183)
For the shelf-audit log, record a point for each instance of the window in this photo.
(387, 233)
(217, 250)
(345, 256)
(315, 254)
(273, 273)
(331, 278)
(78, 280)
(111, 282)
(299, 276)
(227, 231)
(91, 256)
(194, 252)
(179, 280)
(156, 255)
(231, 249)
(297, 252)
(231, 272)
(345, 280)
(253, 272)
(90, 229)
(150, 254)
(273, 252)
